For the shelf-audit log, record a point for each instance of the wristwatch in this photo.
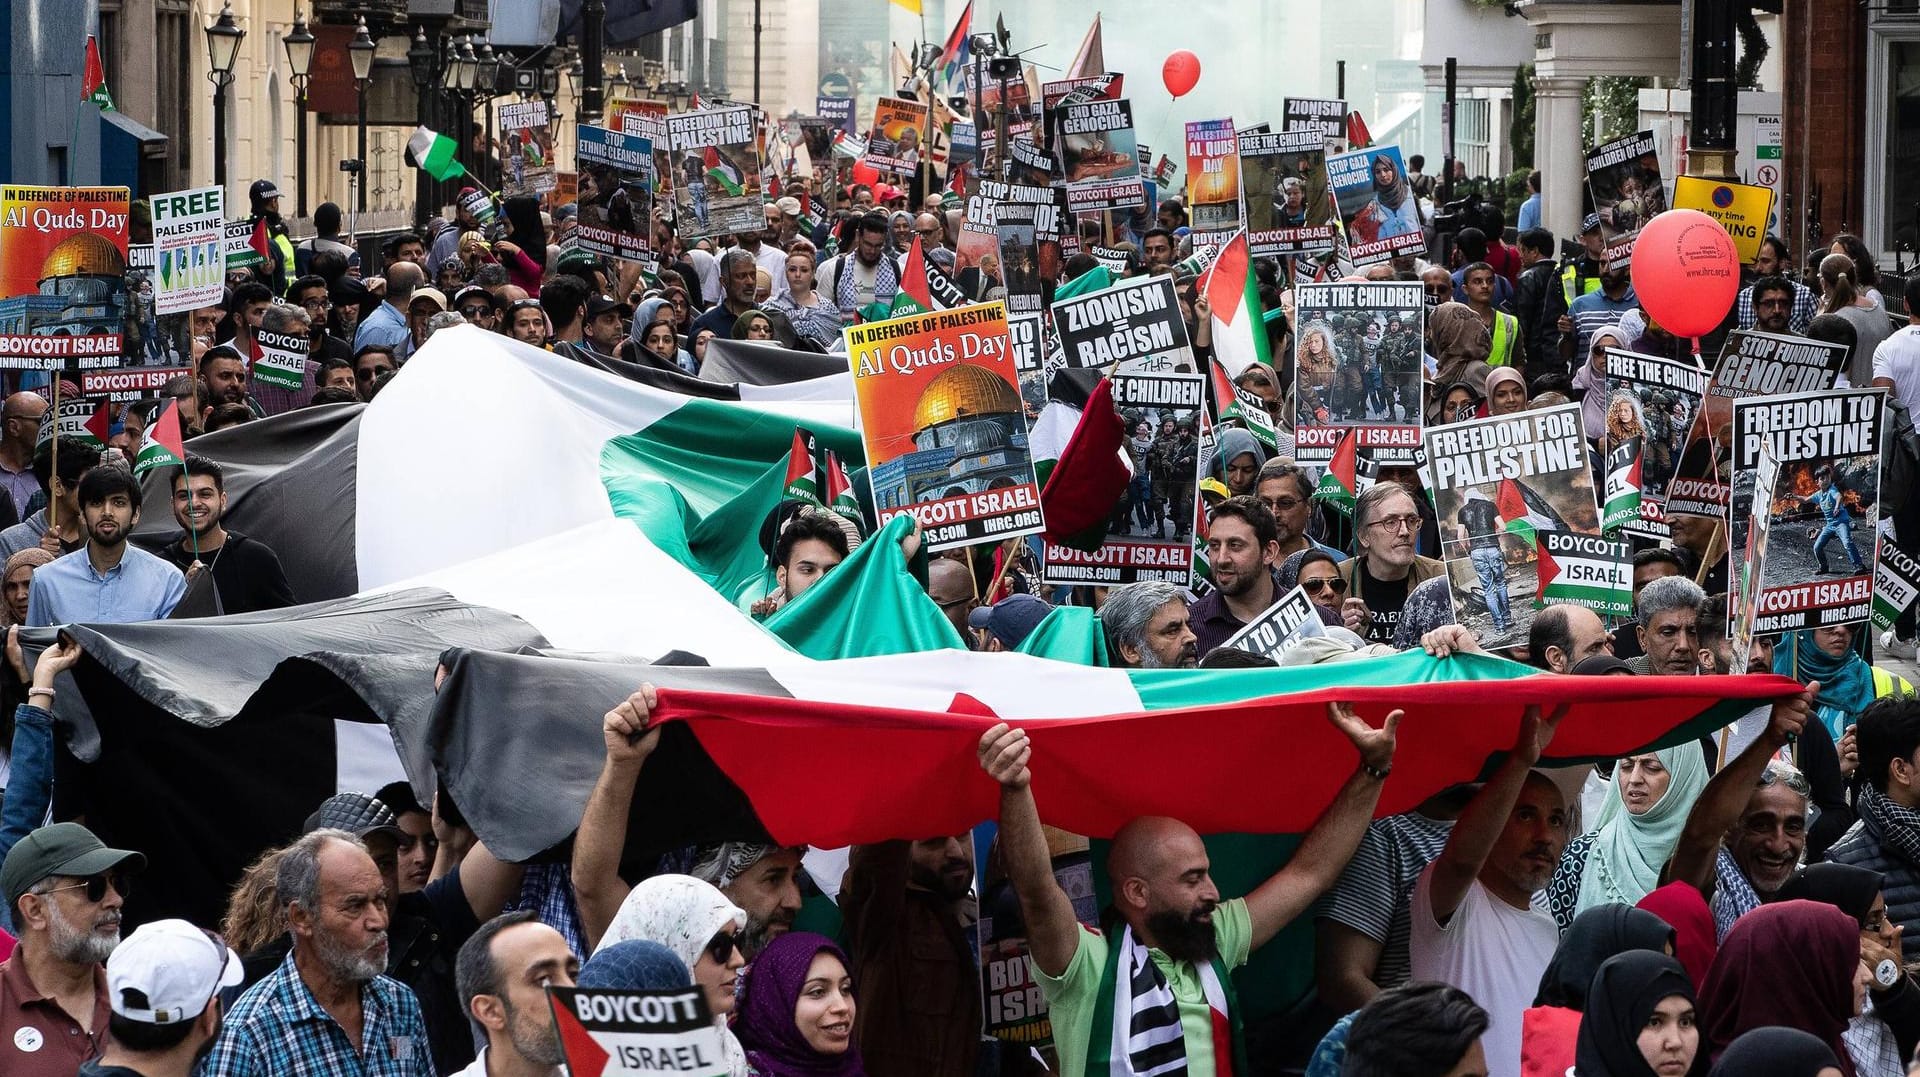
(1886, 973)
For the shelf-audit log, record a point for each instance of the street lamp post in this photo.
(466, 73)
(593, 26)
(299, 46)
(420, 64)
(487, 81)
(360, 50)
(223, 48)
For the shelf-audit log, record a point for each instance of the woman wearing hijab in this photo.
(634, 965)
(1460, 344)
(1888, 1027)
(797, 1010)
(1639, 1020)
(1776, 1052)
(698, 925)
(1549, 1029)
(753, 325)
(1237, 461)
(1791, 963)
(1695, 939)
(1591, 378)
(651, 341)
(1646, 807)
(1847, 683)
(1506, 391)
(524, 250)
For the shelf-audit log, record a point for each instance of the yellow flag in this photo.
(910, 5)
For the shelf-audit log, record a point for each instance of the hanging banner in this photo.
(716, 172)
(526, 148)
(1289, 207)
(1377, 205)
(1326, 117)
(1357, 366)
(1097, 156)
(188, 243)
(1817, 568)
(1213, 179)
(1651, 402)
(616, 193)
(893, 143)
(63, 269)
(945, 431)
(1624, 176)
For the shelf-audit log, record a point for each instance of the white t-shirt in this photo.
(1490, 950)
(1898, 360)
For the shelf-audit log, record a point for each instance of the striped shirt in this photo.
(1803, 308)
(1595, 311)
(278, 1029)
(1374, 892)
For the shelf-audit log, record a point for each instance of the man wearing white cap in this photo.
(162, 982)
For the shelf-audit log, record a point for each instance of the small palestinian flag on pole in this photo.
(1340, 483)
(164, 446)
(93, 84)
(1623, 485)
(839, 493)
(435, 154)
(1231, 403)
(913, 296)
(803, 470)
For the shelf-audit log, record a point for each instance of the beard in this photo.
(949, 887)
(1150, 659)
(760, 932)
(349, 965)
(1182, 937)
(536, 1042)
(76, 946)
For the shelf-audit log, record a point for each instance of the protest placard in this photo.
(1235, 406)
(1134, 330)
(1583, 570)
(609, 1033)
(1651, 402)
(526, 148)
(129, 383)
(837, 111)
(1106, 87)
(1741, 208)
(893, 142)
(1035, 358)
(63, 266)
(1015, 1008)
(616, 193)
(1289, 209)
(1624, 176)
(1357, 366)
(1280, 627)
(1751, 364)
(1499, 484)
(1818, 567)
(1027, 160)
(188, 244)
(1018, 226)
(716, 172)
(945, 432)
(1896, 583)
(1326, 117)
(79, 418)
(1377, 205)
(1746, 560)
(1213, 178)
(282, 359)
(237, 243)
(1097, 156)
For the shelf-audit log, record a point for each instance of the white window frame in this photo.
(1884, 30)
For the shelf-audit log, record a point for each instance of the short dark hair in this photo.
(1472, 244)
(1235, 658)
(326, 219)
(1538, 240)
(1161, 232)
(392, 245)
(217, 353)
(1417, 161)
(196, 464)
(76, 459)
(562, 298)
(1533, 184)
(475, 972)
(1772, 284)
(1712, 624)
(229, 415)
(104, 482)
(332, 394)
(1658, 555)
(1282, 468)
(142, 1037)
(1471, 268)
(1250, 509)
(1552, 627)
(301, 284)
(1889, 729)
(250, 292)
(1779, 245)
(871, 222)
(808, 525)
(1417, 1030)
(143, 410)
(1911, 293)
(330, 265)
(371, 349)
(334, 364)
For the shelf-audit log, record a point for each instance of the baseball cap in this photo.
(788, 205)
(263, 190)
(60, 849)
(1591, 223)
(438, 297)
(578, 262)
(171, 966)
(356, 813)
(1012, 619)
(471, 291)
(600, 304)
(567, 212)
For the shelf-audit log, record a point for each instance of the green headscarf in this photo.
(1629, 850)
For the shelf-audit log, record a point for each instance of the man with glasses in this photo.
(1241, 547)
(933, 238)
(1770, 269)
(369, 365)
(475, 304)
(1769, 304)
(1284, 488)
(1386, 523)
(164, 984)
(65, 889)
(22, 430)
(312, 295)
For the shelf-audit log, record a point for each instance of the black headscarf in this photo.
(523, 213)
(1846, 887)
(1623, 996)
(1288, 575)
(1594, 936)
(1775, 1052)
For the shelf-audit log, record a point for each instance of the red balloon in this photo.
(1685, 272)
(1180, 72)
(865, 173)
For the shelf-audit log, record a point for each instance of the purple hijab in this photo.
(764, 1023)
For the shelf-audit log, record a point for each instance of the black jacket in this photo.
(246, 572)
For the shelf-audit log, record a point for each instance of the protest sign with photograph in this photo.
(1097, 156)
(1624, 176)
(894, 140)
(282, 359)
(716, 172)
(188, 243)
(945, 431)
(1280, 628)
(1020, 226)
(1289, 209)
(612, 1033)
(1014, 1007)
(63, 276)
(1378, 208)
(1035, 357)
(1134, 330)
(1499, 485)
(1028, 161)
(1107, 87)
(1327, 117)
(1818, 565)
(1357, 367)
(616, 193)
(1896, 583)
(1651, 403)
(1213, 178)
(526, 148)
(1751, 364)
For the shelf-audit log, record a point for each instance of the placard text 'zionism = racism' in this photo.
(1123, 341)
(1486, 453)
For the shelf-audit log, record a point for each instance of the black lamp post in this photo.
(299, 46)
(486, 81)
(223, 48)
(360, 50)
(466, 73)
(420, 64)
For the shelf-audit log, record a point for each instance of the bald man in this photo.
(1180, 940)
(950, 585)
(23, 412)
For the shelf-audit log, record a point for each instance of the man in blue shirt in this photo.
(387, 323)
(1602, 308)
(108, 581)
(1530, 209)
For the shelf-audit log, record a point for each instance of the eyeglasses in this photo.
(1773, 303)
(723, 946)
(928, 231)
(1336, 584)
(96, 886)
(370, 374)
(316, 304)
(475, 311)
(1409, 523)
(1284, 504)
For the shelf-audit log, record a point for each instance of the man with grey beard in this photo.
(328, 998)
(65, 888)
(1147, 628)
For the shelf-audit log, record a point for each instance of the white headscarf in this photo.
(682, 914)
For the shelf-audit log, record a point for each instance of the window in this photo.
(1893, 132)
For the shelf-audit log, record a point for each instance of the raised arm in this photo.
(1726, 796)
(1323, 855)
(598, 888)
(1052, 933)
(1486, 815)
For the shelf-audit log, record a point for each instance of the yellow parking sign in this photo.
(1741, 208)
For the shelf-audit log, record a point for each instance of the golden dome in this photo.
(962, 392)
(83, 255)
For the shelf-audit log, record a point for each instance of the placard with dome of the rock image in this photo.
(63, 267)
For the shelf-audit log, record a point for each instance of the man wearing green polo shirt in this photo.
(1155, 997)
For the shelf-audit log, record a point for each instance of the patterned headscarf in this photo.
(723, 862)
(682, 914)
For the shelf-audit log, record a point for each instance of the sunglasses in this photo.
(1333, 583)
(723, 946)
(475, 311)
(96, 886)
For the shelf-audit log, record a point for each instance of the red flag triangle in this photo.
(1549, 569)
(100, 423)
(165, 430)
